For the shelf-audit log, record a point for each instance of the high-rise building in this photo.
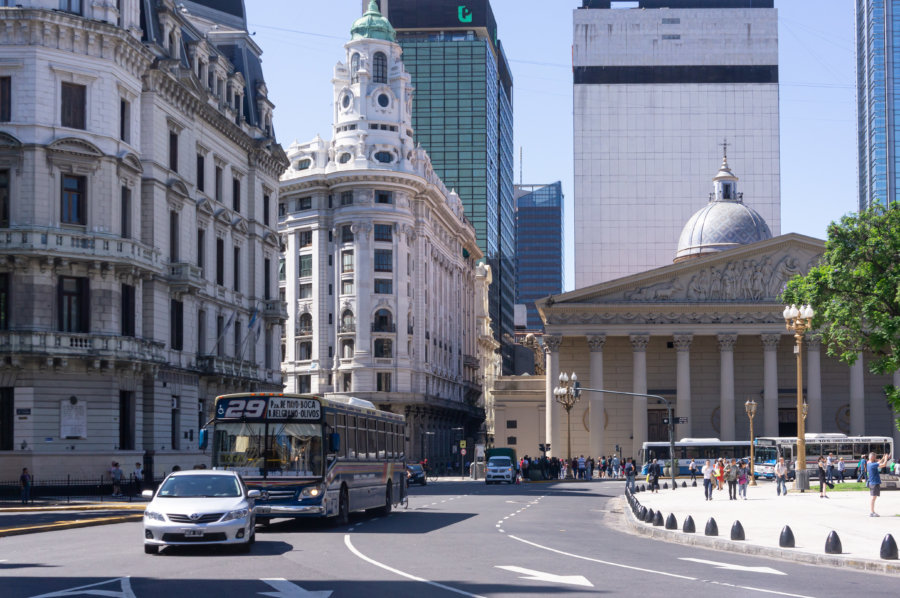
(540, 243)
(659, 87)
(877, 81)
(463, 117)
(381, 266)
(138, 183)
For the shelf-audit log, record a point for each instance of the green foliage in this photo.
(855, 290)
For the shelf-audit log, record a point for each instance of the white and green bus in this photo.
(849, 448)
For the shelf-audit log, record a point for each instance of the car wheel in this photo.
(252, 539)
(151, 549)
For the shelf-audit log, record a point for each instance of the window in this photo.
(173, 151)
(384, 321)
(384, 261)
(72, 6)
(383, 382)
(282, 209)
(306, 290)
(383, 286)
(267, 349)
(173, 236)
(201, 248)
(347, 383)
(4, 198)
(281, 274)
(266, 209)
(175, 440)
(304, 384)
(73, 199)
(346, 262)
(306, 323)
(383, 232)
(346, 349)
(306, 268)
(73, 105)
(384, 197)
(330, 292)
(346, 234)
(354, 68)
(267, 279)
(124, 120)
(346, 287)
(128, 310)
(176, 321)
(220, 261)
(201, 172)
(512, 424)
(384, 157)
(201, 332)
(379, 68)
(304, 203)
(5, 99)
(305, 238)
(347, 198)
(4, 301)
(511, 440)
(304, 351)
(236, 195)
(126, 212)
(218, 183)
(126, 420)
(384, 348)
(237, 268)
(238, 352)
(74, 306)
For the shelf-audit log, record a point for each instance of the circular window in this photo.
(384, 157)
(344, 158)
(345, 102)
(304, 164)
(383, 100)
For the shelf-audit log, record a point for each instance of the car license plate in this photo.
(263, 510)
(193, 533)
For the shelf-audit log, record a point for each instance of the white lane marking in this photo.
(353, 549)
(764, 591)
(124, 586)
(531, 574)
(731, 567)
(286, 589)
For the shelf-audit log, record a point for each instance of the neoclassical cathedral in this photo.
(706, 333)
(380, 271)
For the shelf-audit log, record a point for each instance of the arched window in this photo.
(384, 348)
(346, 349)
(348, 322)
(304, 351)
(379, 68)
(354, 68)
(306, 324)
(383, 322)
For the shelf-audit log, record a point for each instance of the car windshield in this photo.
(499, 462)
(415, 468)
(195, 486)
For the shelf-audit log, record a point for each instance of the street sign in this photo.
(463, 451)
(462, 444)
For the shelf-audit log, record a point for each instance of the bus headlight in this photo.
(311, 492)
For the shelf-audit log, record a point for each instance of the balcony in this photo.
(69, 345)
(225, 366)
(304, 330)
(50, 244)
(275, 309)
(382, 327)
(347, 328)
(185, 278)
(470, 361)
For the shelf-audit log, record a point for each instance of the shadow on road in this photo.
(260, 549)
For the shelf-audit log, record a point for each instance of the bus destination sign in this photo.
(271, 408)
(288, 408)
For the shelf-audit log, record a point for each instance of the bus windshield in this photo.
(764, 454)
(290, 449)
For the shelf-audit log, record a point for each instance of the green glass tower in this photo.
(462, 115)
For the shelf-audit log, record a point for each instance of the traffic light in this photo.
(618, 450)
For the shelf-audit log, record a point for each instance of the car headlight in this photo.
(310, 492)
(154, 516)
(236, 514)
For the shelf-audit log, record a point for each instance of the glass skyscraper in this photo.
(877, 74)
(463, 117)
(539, 246)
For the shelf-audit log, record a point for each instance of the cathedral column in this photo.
(683, 385)
(814, 383)
(551, 434)
(857, 398)
(596, 398)
(639, 344)
(726, 386)
(770, 384)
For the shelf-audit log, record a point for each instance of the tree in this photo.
(855, 291)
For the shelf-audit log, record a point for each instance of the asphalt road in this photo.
(13, 519)
(456, 539)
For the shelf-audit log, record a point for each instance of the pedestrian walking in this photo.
(629, 474)
(861, 469)
(731, 476)
(653, 474)
(823, 477)
(582, 467)
(719, 473)
(115, 474)
(707, 480)
(829, 467)
(841, 466)
(25, 482)
(692, 467)
(743, 479)
(137, 477)
(780, 477)
(616, 466)
(873, 473)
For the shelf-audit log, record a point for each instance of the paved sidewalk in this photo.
(765, 514)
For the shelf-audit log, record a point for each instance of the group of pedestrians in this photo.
(580, 468)
(721, 472)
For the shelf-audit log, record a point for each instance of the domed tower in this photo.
(725, 222)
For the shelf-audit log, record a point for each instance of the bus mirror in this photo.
(334, 444)
(203, 439)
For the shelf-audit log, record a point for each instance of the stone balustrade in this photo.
(81, 345)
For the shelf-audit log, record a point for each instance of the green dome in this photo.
(373, 26)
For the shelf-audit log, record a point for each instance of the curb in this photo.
(677, 537)
(34, 529)
(75, 507)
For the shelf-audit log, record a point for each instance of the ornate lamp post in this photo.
(798, 320)
(750, 406)
(567, 394)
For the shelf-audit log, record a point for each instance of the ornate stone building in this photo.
(138, 254)
(380, 262)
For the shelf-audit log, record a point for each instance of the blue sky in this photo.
(303, 40)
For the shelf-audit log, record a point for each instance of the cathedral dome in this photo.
(372, 25)
(724, 223)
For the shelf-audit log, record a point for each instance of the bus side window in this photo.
(373, 443)
(351, 436)
(382, 441)
(342, 430)
(361, 432)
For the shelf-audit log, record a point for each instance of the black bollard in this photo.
(786, 540)
(737, 531)
(833, 544)
(642, 514)
(643, 487)
(665, 485)
(648, 518)
(711, 528)
(657, 519)
(670, 522)
(694, 484)
(684, 484)
(688, 526)
(889, 548)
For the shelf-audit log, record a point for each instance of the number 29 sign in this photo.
(276, 408)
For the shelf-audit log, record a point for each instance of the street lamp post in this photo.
(750, 406)
(798, 320)
(567, 394)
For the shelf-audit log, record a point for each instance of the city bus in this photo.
(850, 448)
(311, 456)
(701, 449)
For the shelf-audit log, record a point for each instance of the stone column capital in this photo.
(683, 342)
(639, 342)
(596, 342)
(552, 343)
(770, 341)
(726, 342)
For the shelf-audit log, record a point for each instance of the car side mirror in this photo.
(334, 443)
(147, 493)
(253, 494)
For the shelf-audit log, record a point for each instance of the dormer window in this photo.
(303, 164)
(354, 68)
(379, 68)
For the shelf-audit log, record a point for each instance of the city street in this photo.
(456, 538)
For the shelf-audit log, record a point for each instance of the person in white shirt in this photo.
(781, 477)
(707, 472)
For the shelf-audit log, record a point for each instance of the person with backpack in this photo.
(629, 474)
(743, 479)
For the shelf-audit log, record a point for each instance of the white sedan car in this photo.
(200, 507)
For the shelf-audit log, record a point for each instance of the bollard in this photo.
(694, 484)
(665, 485)
(737, 531)
(642, 514)
(689, 527)
(786, 540)
(833, 544)
(648, 518)
(670, 522)
(711, 528)
(889, 548)
(643, 487)
(657, 519)
(684, 484)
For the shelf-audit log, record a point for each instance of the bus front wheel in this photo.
(343, 516)
(388, 501)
